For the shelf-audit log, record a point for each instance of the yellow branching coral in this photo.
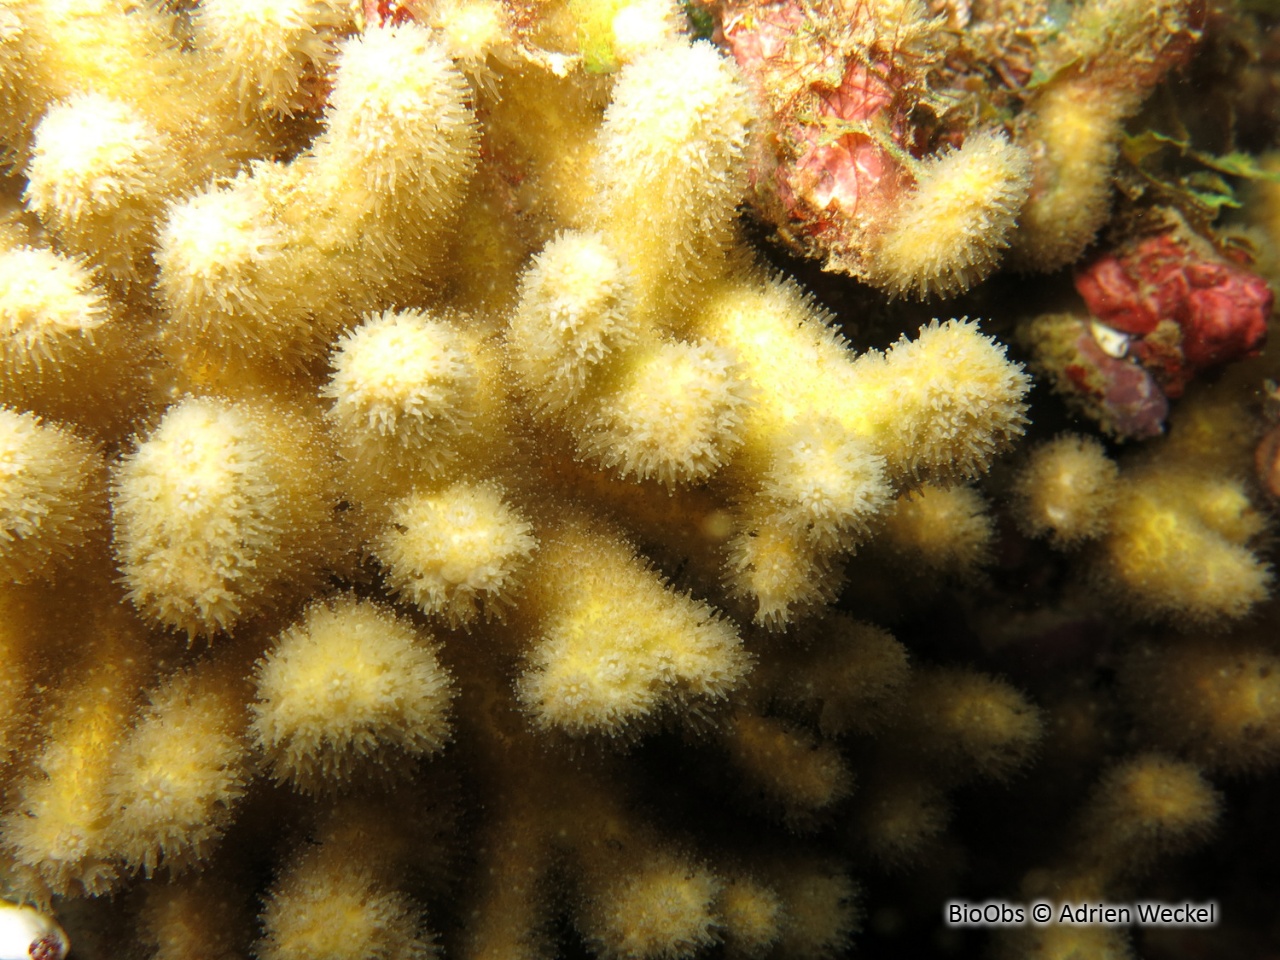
(399, 124)
(1065, 490)
(576, 310)
(819, 907)
(23, 631)
(390, 168)
(332, 905)
(956, 223)
(787, 345)
(218, 510)
(672, 169)
(885, 419)
(901, 816)
(178, 775)
(196, 917)
(51, 495)
(939, 406)
(1105, 62)
(403, 388)
(1146, 806)
(661, 907)
(639, 404)
(350, 688)
(946, 531)
(975, 722)
(1214, 702)
(462, 552)
(825, 484)
(788, 766)
(472, 31)
(671, 413)
(617, 646)
(851, 672)
(774, 568)
(1141, 810)
(751, 913)
(217, 254)
(58, 822)
(273, 49)
(62, 340)
(1069, 199)
(955, 398)
(120, 51)
(1179, 545)
(414, 358)
(101, 171)
(1174, 530)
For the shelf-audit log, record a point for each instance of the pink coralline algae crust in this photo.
(836, 119)
(837, 173)
(1220, 310)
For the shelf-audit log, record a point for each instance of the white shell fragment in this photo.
(28, 934)
(1113, 342)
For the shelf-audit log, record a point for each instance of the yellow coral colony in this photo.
(1065, 490)
(1169, 535)
(53, 485)
(219, 511)
(396, 430)
(351, 685)
(276, 260)
(957, 221)
(1101, 66)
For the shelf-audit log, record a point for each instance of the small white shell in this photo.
(1113, 342)
(28, 934)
